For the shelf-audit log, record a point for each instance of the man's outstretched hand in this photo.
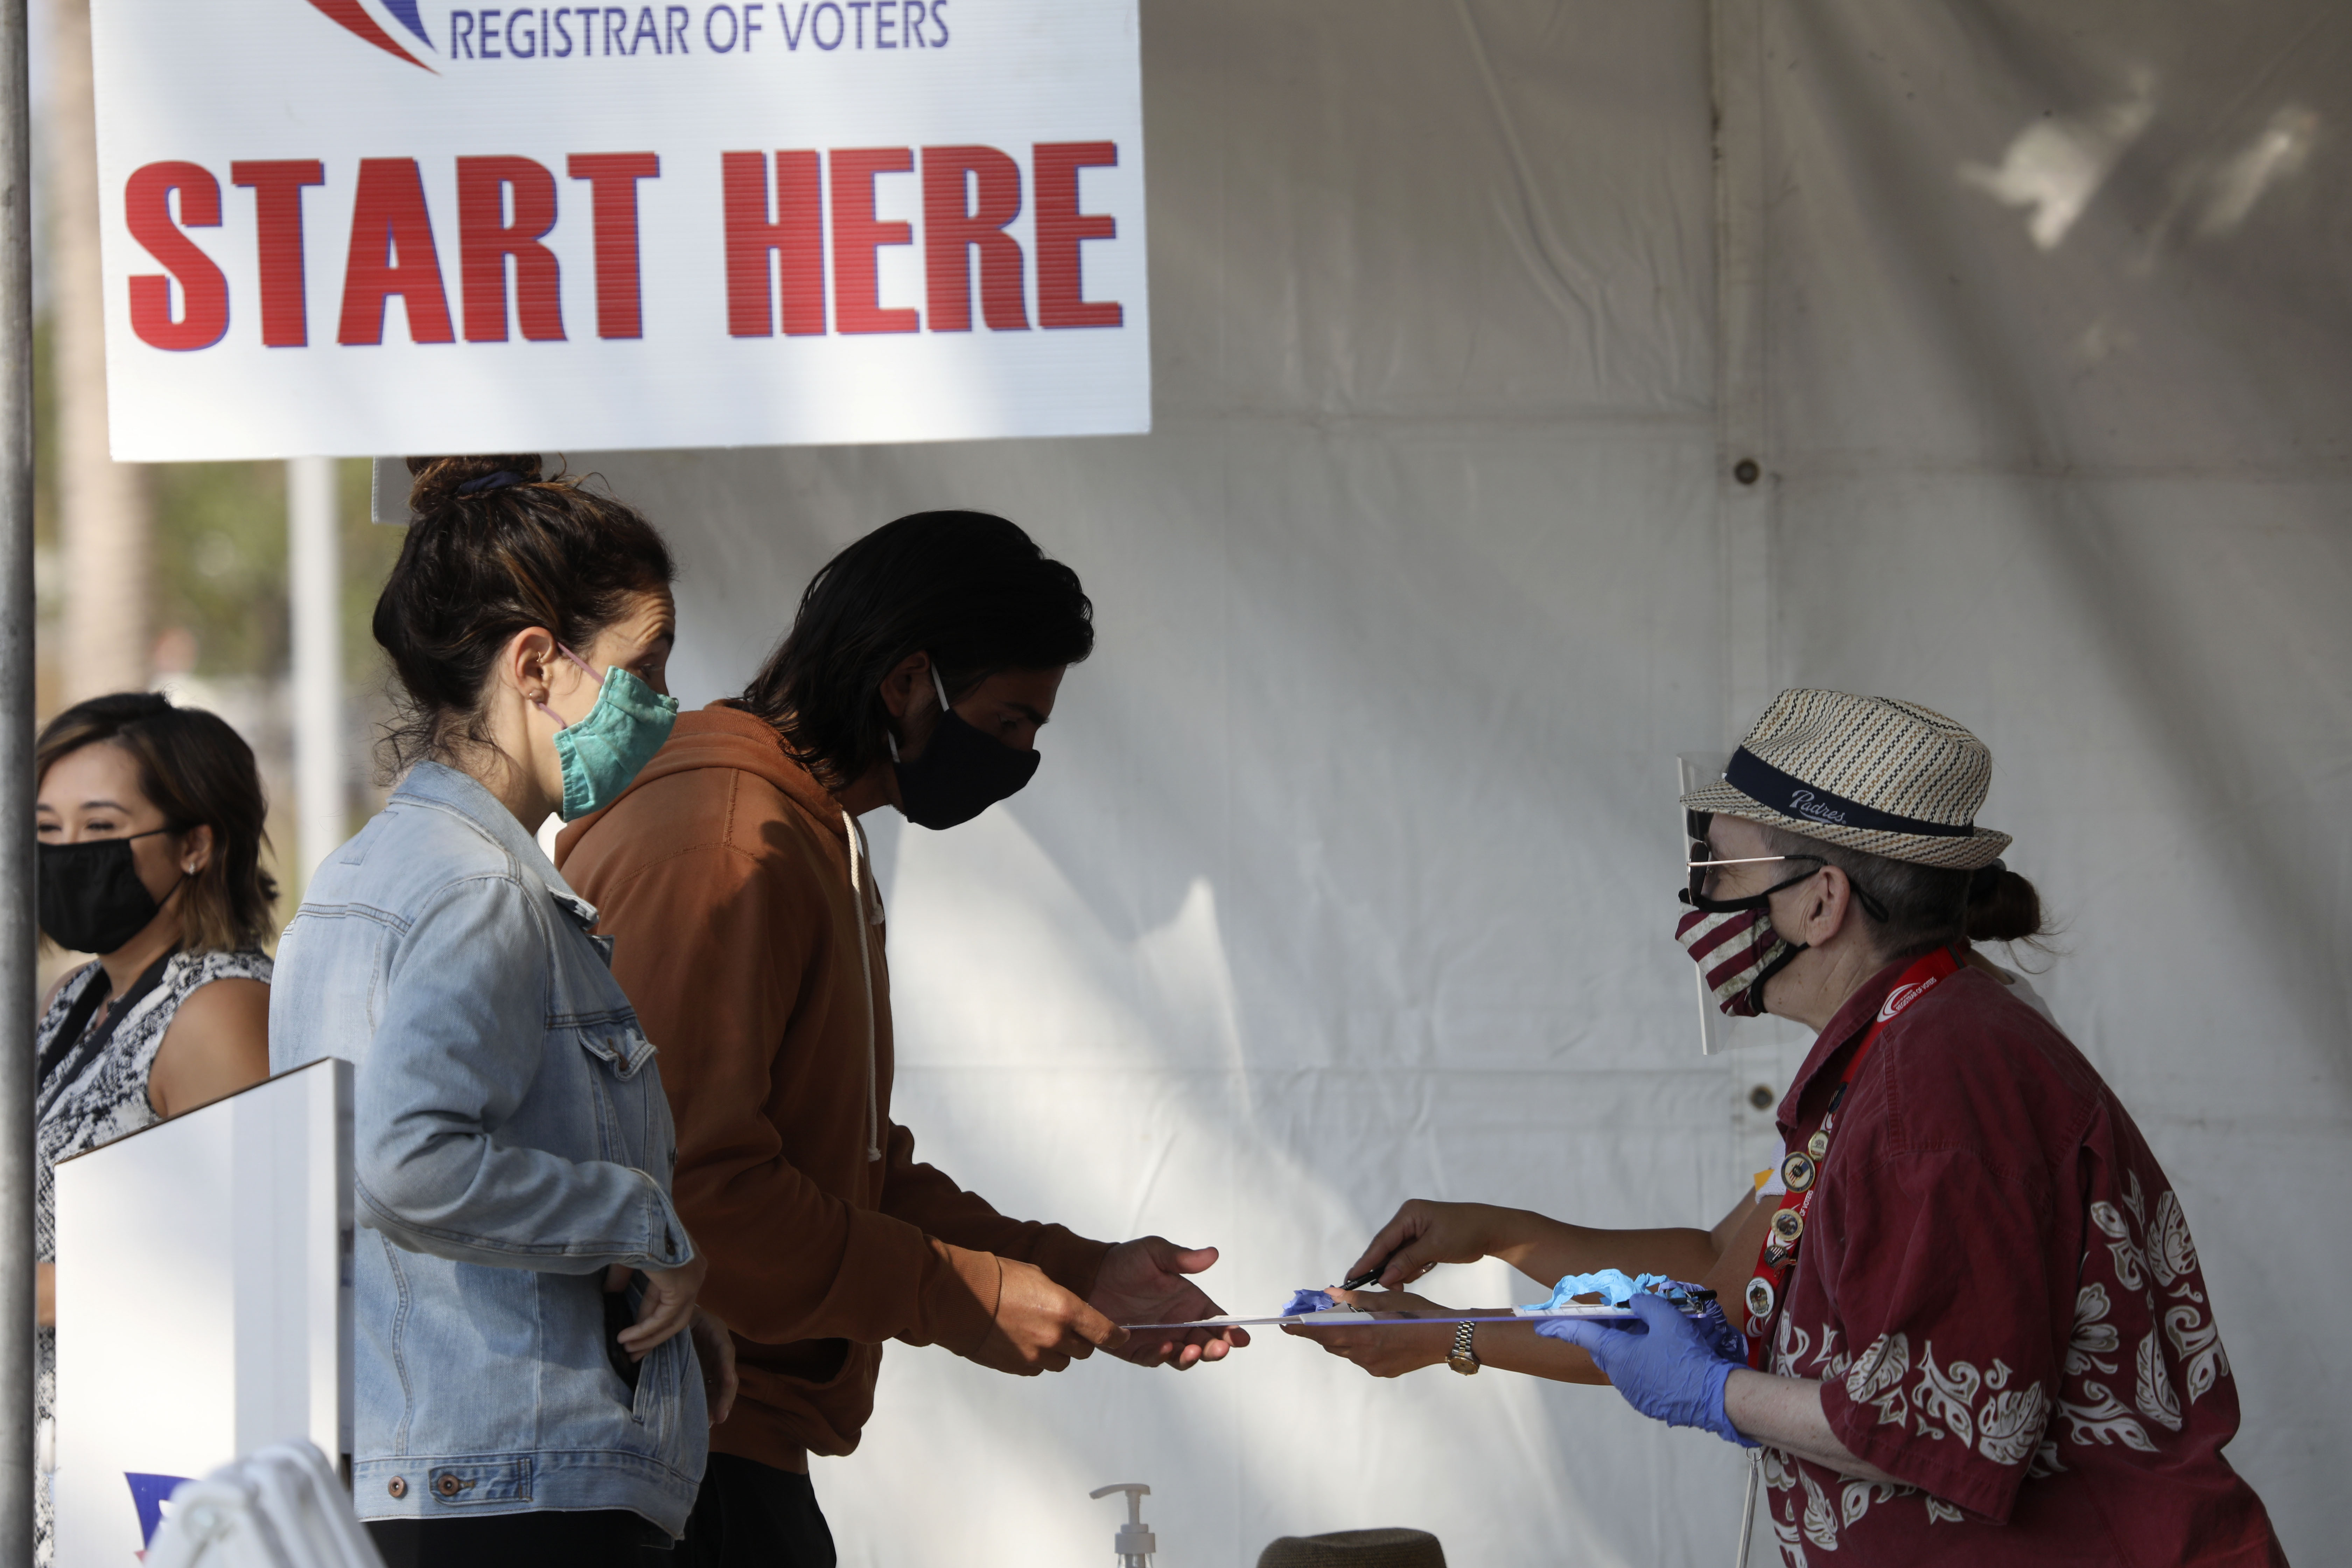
(1143, 1281)
(1039, 1326)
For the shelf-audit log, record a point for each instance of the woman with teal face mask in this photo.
(533, 1378)
(599, 755)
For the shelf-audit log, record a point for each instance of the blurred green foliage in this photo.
(219, 560)
(220, 565)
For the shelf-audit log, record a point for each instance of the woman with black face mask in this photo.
(150, 826)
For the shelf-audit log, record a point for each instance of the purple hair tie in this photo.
(504, 479)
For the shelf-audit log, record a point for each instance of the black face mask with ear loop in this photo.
(91, 899)
(960, 774)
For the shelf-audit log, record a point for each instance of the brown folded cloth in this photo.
(1356, 1549)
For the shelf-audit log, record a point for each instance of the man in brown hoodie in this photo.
(735, 881)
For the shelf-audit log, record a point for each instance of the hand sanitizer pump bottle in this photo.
(1135, 1542)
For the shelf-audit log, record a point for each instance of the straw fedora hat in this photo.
(1884, 777)
(1356, 1549)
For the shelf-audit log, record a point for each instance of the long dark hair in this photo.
(497, 550)
(199, 773)
(968, 588)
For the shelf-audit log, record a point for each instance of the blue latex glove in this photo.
(1669, 1367)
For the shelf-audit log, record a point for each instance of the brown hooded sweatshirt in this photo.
(749, 934)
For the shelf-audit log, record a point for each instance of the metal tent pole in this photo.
(16, 911)
(314, 585)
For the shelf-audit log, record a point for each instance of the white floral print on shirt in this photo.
(2178, 1360)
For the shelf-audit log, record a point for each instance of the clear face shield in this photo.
(1731, 938)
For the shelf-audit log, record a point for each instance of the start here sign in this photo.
(344, 227)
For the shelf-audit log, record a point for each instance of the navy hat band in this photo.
(1760, 782)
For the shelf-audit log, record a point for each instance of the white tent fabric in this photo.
(1348, 876)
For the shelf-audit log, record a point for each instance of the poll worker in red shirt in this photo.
(1976, 1328)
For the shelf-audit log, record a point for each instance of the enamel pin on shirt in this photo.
(1776, 1260)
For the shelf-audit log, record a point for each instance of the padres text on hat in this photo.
(1356, 1549)
(1874, 774)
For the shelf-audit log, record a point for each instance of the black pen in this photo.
(1369, 1275)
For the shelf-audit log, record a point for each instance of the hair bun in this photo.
(2004, 907)
(436, 480)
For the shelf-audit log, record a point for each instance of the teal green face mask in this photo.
(604, 751)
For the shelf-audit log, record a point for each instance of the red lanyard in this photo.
(1800, 1171)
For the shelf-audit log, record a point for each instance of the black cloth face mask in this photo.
(91, 898)
(960, 774)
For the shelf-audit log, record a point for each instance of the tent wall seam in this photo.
(1744, 478)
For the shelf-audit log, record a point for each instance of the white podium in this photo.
(203, 1303)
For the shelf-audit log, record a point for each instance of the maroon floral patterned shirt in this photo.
(1998, 1292)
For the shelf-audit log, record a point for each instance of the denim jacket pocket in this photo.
(659, 1402)
(616, 1055)
(621, 1047)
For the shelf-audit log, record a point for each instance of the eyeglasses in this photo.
(1703, 859)
(1702, 862)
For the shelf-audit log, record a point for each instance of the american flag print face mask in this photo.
(1736, 950)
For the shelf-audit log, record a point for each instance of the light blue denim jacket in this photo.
(510, 1140)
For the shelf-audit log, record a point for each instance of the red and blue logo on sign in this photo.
(348, 16)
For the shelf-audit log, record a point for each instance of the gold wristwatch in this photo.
(1462, 1358)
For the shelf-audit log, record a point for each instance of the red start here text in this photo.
(779, 228)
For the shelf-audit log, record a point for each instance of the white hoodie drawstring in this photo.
(857, 863)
